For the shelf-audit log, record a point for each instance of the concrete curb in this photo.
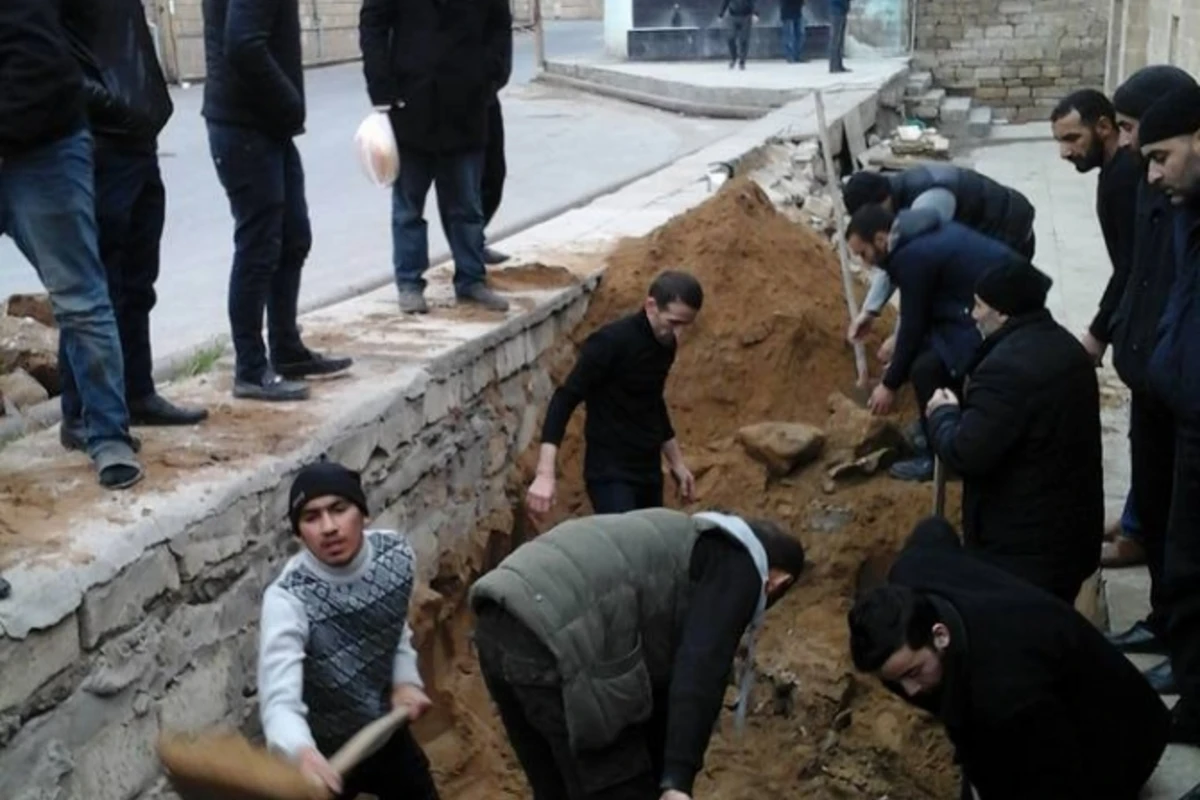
(678, 106)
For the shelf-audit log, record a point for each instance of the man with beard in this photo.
(1030, 693)
(620, 375)
(1169, 138)
(1026, 439)
(1085, 125)
(607, 644)
(1135, 333)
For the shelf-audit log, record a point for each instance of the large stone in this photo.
(201, 696)
(854, 431)
(121, 602)
(34, 306)
(118, 763)
(782, 446)
(28, 663)
(21, 390)
(33, 347)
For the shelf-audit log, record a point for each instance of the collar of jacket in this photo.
(1007, 329)
(953, 708)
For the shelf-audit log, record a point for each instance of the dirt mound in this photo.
(768, 346)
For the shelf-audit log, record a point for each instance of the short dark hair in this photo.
(870, 220)
(885, 619)
(674, 285)
(865, 188)
(784, 551)
(1091, 104)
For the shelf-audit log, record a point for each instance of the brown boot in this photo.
(1122, 552)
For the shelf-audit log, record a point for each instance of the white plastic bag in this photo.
(377, 151)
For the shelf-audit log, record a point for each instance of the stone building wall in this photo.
(1017, 56)
(1152, 32)
(170, 642)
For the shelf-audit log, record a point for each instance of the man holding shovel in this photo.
(335, 648)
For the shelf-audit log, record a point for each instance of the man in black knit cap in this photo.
(1026, 438)
(1169, 137)
(1135, 326)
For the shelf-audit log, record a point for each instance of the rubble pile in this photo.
(28, 353)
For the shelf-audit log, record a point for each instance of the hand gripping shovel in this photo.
(226, 766)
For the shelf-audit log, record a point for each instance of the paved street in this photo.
(562, 146)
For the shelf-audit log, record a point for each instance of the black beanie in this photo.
(1014, 288)
(1176, 114)
(1146, 86)
(323, 479)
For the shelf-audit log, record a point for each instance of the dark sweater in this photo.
(255, 66)
(725, 591)
(1116, 207)
(620, 375)
(41, 85)
(1174, 368)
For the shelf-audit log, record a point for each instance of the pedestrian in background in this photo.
(791, 18)
(839, 10)
(741, 19)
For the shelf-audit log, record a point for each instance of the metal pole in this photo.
(939, 487)
(839, 211)
(539, 37)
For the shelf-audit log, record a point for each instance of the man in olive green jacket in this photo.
(607, 644)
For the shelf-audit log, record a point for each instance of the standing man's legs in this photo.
(837, 42)
(618, 497)
(731, 27)
(495, 170)
(1181, 572)
(928, 374)
(742, 32)
(458, 177)
(47, 205)
(787, 31)
(410, 237)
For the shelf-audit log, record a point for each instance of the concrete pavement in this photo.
(1070, 248)
(562, 147)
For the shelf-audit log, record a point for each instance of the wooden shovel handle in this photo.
(364, 743)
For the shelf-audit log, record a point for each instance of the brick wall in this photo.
(1153, 32)
(1017, 56)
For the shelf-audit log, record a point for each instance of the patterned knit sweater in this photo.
(332, 643)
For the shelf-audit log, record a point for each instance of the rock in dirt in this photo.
(854, 431)
(34, 306)
(782, 446)
(19, 388)
(866, 466)
(33, 347)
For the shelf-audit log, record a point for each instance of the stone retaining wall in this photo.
(170, 641)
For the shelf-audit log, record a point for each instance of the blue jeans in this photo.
(794, 32)
(837, 40)
(264, 181)
(47, 205)
(458, 178)
(130, 212)
(1131, 526)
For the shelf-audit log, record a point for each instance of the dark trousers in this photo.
(793, 33)
(928, 374)
(1181, 573)
(495, 168)
(523, 680)
(1152, 456)
(739, 37)
(130, 211)
(397, 771)
(1028, 248)
(48, 207)
(837, 40)
(458, 178)
(617, 497)
(264, 181)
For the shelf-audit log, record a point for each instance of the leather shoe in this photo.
(157, 410)
(1162, 679)
(1139, 638)
(492, 257)
(1122, 552)
(312, 363)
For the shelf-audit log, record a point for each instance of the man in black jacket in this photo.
(741, 19)
(607, 644)
(435, 67)
(254, 105)
(1026, 439)
(1031, 694)
(1135, 333)
(620, 374)
(128, 105)
(47, 205)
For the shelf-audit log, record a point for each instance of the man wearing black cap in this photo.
(335, 649)
(1135, 327)
(1169, 137)
(1026, 439)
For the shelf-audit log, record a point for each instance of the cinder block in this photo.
(199, 697)
(29, 663)
(118, 763)
(121, 602)
(218, 537)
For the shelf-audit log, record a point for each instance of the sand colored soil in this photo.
(768, 345)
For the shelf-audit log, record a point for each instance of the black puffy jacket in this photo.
(438, 64)
(127, 97)
(989, 207)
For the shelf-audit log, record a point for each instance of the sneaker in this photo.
(412, 301)
(492, 257)
(919, 469)
(741, 65)
(1162, 680)
(479, 293)
(270, 388)
(313, 363)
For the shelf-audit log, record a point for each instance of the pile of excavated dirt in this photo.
(768, 346)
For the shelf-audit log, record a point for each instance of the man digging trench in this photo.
(606, 644)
